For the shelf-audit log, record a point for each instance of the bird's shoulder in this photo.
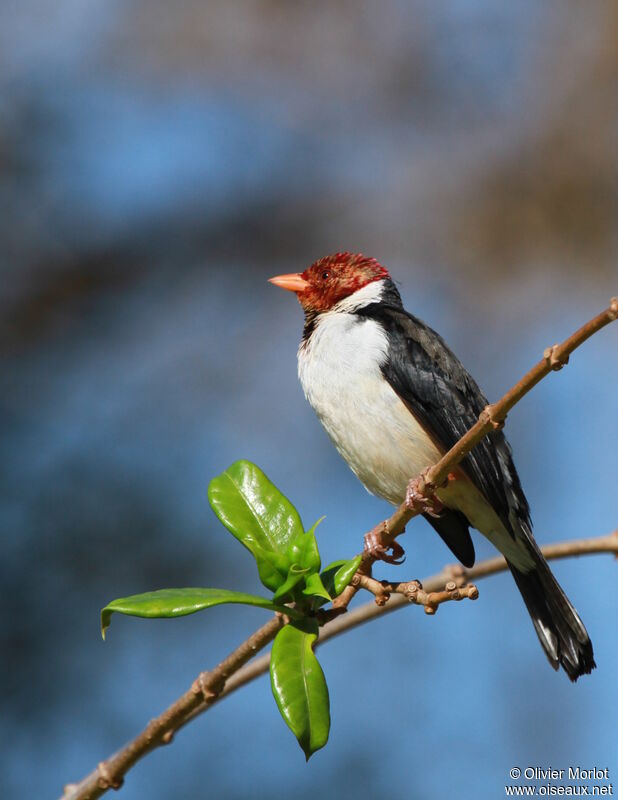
(446, 399)
(418, 352)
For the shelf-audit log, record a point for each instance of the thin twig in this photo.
(232, 673)
(414, 592)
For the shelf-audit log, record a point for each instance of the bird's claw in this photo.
(375, 547)
(419, 501)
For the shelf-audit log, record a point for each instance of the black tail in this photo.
(559, 628)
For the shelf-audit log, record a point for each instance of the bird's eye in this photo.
(325, 275)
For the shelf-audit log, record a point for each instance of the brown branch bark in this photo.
(232, 673)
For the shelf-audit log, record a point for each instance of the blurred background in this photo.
(157, 164)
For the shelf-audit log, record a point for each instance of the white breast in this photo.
(339, 369)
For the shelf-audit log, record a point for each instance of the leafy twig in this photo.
(210, 687)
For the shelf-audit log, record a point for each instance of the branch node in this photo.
(473, 592)
(167, 737)
(410, 589)
(555, 358)
(106, 779)
(382, 599)
(487, 415)
(430, 610)
(152, 729)
(380, 589)
(613, 308)
(201, 686)
(456, 573)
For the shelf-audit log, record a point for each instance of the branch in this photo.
(208, 688)
(231, 673)
(414, 592)
(492, 566)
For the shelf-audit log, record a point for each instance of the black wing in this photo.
(446, 400)
(452, 526)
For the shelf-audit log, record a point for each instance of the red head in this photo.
(331, 279)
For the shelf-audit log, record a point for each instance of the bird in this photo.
(394, 398)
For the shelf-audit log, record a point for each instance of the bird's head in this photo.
(331, 279)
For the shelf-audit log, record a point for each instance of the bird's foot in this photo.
(417, 499)
(378, 550)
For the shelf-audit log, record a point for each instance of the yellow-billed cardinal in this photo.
(394, 398)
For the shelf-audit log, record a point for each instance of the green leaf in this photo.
(315, 588)
(337, 575)
(294, 577)
(304, 550)
(315, 524)
(345, 573)
(299, 686)
(273, 568)
(180, 602)
(253, 509)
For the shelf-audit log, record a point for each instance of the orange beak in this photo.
(293, 282)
